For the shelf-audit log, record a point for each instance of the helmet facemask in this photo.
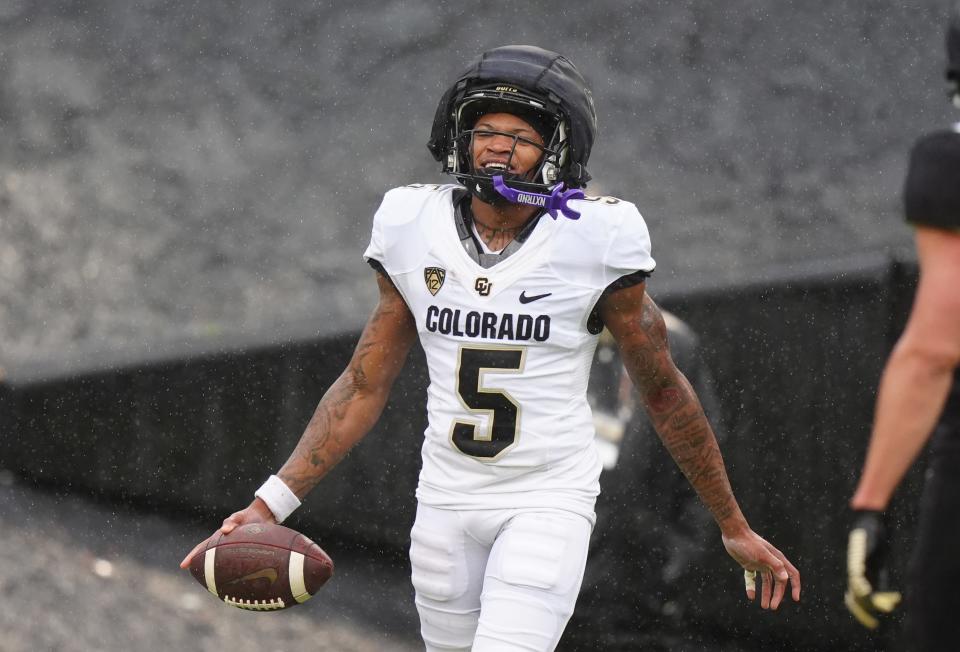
(541, 177)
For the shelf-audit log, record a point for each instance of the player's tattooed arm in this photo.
(637, 325)
(670, 401)
(347, 411)
(352, 405)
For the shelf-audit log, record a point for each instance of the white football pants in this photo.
(496, 580)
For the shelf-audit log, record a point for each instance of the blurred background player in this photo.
(508, 279)
(920, 395)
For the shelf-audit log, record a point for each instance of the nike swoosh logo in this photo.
(525, 299)
(268, 573)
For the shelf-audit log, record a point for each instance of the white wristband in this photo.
(278, 497)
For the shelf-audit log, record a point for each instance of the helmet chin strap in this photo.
(555, 201)
(482, 187)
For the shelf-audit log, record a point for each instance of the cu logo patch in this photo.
(433, 276)
(482, 286)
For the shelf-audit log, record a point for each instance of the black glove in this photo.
(867, 596)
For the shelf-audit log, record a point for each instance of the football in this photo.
(262, 567)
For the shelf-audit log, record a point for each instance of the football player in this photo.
(919, 396)
(507, 278)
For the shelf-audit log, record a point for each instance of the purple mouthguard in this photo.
(556, 200)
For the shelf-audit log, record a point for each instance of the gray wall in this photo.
(189, 169)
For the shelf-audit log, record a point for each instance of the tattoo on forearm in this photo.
(676, 412)
(337, 423)
(322, 444)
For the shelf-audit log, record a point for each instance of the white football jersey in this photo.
(508, 347)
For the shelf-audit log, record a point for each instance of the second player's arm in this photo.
(636, 323)
(917, 377)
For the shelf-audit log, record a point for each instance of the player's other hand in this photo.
(868, 596)
(757, 556)
(257, 512)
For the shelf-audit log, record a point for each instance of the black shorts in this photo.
(933, 594)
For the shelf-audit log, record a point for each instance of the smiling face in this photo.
(505, 143)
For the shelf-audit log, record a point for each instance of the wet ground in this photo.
(80, 576)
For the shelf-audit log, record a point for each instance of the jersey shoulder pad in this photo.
(610, 240)
(931, 193)
(401, 226)
(407, 203)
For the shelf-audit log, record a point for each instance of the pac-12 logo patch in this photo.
(433, 277)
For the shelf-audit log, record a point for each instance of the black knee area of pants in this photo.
(933, 596)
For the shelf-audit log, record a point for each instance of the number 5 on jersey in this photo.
(503, 412)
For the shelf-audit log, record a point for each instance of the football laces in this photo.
(255, 605)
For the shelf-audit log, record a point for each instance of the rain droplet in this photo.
(103, 568)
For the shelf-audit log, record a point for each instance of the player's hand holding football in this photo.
(868, 597)
(256, 512)
(757, 555)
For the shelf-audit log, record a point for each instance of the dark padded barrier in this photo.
(203, 431)
(795, 359)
